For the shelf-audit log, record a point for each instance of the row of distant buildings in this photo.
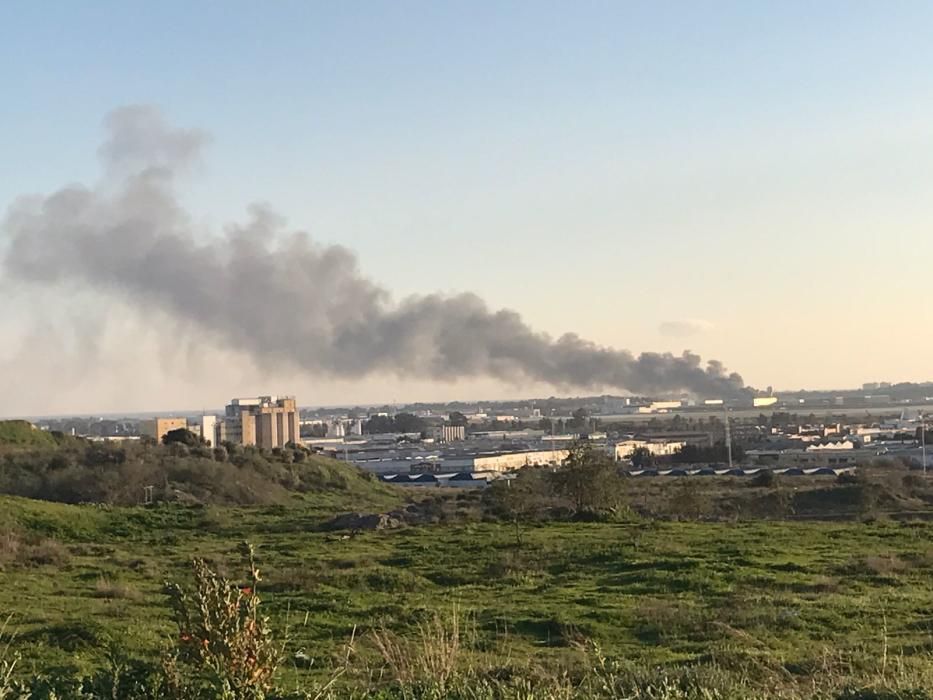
(444, 447)
(835, 445)
(624, 406)
(264, 421)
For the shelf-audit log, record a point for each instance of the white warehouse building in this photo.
(659, 448)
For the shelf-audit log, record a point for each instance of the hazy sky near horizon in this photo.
(752, 181)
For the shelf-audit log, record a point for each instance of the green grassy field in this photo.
(790, 597)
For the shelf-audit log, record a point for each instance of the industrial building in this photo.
(265, 421)
(448, 433)
(510, 461)
(812, 458)
(764, 401)
(658, 448)
(417, 458)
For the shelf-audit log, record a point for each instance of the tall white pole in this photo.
(923, 443)
(725, 414)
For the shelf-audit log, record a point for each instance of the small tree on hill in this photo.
(182, 436)
(520, 499)
(588, 479)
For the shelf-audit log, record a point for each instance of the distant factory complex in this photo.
(471, 445)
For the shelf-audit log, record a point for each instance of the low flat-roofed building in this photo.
(764, 401)
(658, 448)
(508, 461)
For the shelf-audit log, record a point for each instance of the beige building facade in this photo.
(157, 428)
(265, 421)
(510, 461)
(448, 433)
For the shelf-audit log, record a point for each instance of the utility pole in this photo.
(725, 413)
(923, 443)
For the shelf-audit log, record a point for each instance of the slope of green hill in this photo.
(79, 471)
(23, 433)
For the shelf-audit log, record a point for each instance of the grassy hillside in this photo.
(789, 602)
(20, 433)
(78, 471)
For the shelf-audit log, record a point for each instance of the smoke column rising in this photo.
(279, 296)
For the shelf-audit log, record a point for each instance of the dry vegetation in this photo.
(30, 549)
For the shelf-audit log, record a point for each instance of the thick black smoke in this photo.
(281, 297)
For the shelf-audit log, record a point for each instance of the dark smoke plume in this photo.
(281, 297)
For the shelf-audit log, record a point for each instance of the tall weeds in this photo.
(433, 654)
(8, 661)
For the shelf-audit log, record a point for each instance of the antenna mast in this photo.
(923, 442)
(725, 414)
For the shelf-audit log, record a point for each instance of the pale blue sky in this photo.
(766, 168)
